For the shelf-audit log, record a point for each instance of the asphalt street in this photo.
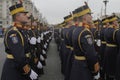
(2, 55)
(53, 67)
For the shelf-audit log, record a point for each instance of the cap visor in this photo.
(24, 12)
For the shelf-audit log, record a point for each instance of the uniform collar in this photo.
(33, 28)
(111, 26)
(17, 25)
(25, 27)
(85, 25)
(80, 24)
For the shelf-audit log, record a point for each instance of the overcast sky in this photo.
(55, 10)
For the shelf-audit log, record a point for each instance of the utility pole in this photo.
(105, 2)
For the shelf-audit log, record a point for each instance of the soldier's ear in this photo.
(17, 16)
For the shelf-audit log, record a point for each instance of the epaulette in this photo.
(14, 28)
(6, 36)
(86, 29)
(79, 39)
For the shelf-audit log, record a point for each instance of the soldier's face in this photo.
(116, 23)
(22, 17)
(89, 18)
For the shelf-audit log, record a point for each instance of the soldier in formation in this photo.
(25, 46)
(94, 46)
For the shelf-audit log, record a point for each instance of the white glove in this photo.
(38, 40)
(47, 40)
(41, 37)
(45, 33)
(41, 34)
(50, 37)
(45, 46)
(33, 75)
(95, 40)
(97, 76)
(29, 39)
(33, 41)
(42, 58)
(98, 43)
(43, 51)
(39, 65)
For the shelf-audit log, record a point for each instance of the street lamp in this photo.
(105, 2)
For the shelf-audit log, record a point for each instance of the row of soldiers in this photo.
(89, 50)
(25, 46)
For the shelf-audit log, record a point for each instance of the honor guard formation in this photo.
(88, 49)
(25, 46)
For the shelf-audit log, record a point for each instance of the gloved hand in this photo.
(98, 42)
(33, 41)
(41, 36)
(38, 40)
(47, 40)
(39, 65)
(33, 75)
(45, 46)
(97, 76)
(43, 51)
(49, 37)
(95, 40)
(42, 58)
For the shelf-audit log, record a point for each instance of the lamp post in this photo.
(105, 2)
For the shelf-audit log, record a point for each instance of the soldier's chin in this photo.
(24, 22)
(90, 22)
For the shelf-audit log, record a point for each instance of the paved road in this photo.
(52, 69)
(2, 55)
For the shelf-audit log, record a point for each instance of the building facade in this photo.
(0, 13)
(5, 17)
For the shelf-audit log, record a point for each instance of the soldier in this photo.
(35, 55)
(43, 55)
(70, 49)
(118, 56)
(64, 47)
(105, 24)
(65, 53)
(57, 38)
(111, 49)
(96, 35)
(39, 49)
(85, 58)
(93, 29)
(16, 66)
(62, 51)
